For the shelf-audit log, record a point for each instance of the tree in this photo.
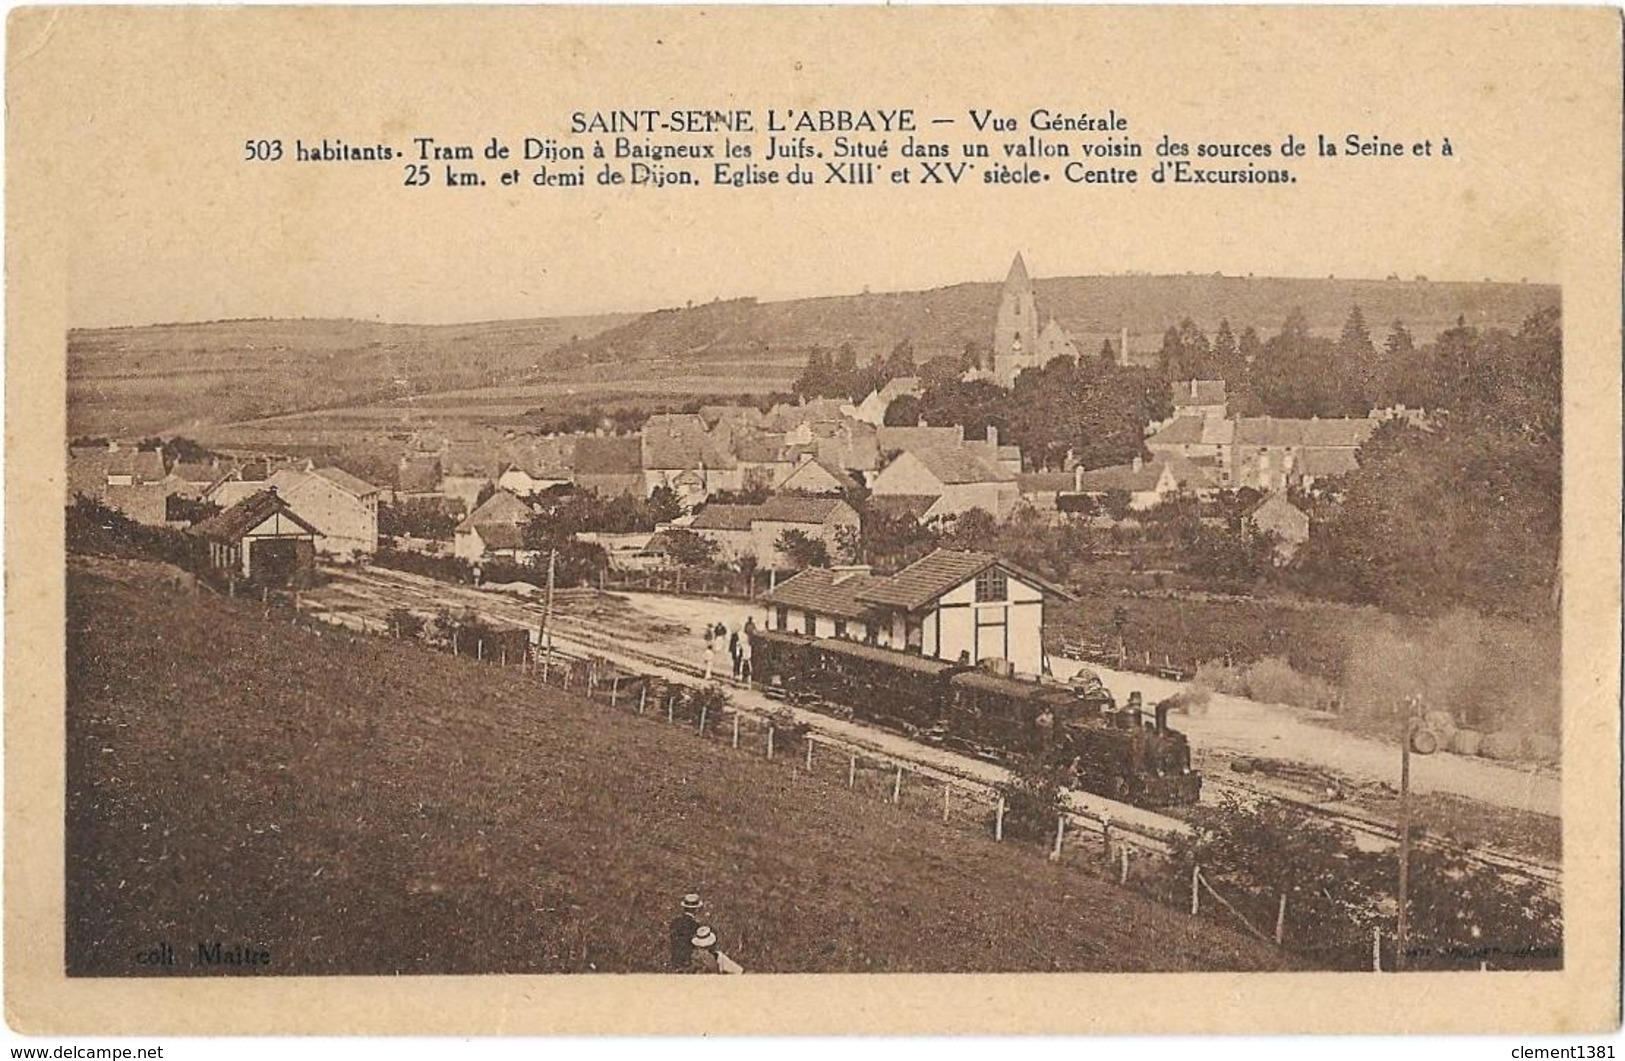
(900, 362)
(802, 549)
(687, 549)
(904, 411)
(1227, 361)
(487, 492)
(664, 505)
(1108, 353)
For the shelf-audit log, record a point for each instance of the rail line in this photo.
(1150, 831)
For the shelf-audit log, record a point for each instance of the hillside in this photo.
(1093, 308)
(169, 378)
(374, 807)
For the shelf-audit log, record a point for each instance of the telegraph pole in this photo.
(1402, 936)
(547, 612)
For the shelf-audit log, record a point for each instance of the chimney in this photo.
(847, 571)
(1077, 478)
(993, 436)
(1137, 463)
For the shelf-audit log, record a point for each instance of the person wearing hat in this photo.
(683, 929)
(704, 956)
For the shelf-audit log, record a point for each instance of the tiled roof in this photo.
(540, 458)
(1122, 477)
(790, 508)
(1181, 431)
(1044, 482)
(725, 517)
(500, 508)
(350, 484)
(501, 535)
(1270, 431)
(759, 447)
(1326, 462)
(892, 439)
(236, 521)
(673, 441)
(895, 388)
(595, 455)
(901, 506)
(807, 474)
(1198, 392)
(925, 580)
(826, 592)
(960, 464)
(1191, 474)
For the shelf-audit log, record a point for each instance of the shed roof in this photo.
(715, 517)
(1347, 432)
(501, 507)
(611, 455)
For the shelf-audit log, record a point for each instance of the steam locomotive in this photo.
(1114, 752)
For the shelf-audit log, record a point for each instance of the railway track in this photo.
(1147, 830)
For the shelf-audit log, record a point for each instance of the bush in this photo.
(1271, 680)
(92, 527)
(407, 624)
(1032, 798)
(443, 568)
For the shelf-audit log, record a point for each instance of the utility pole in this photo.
(547, 612)
(1408, 732)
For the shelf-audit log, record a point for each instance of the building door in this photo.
(273, 561)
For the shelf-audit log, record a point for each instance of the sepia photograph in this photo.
(689, 498)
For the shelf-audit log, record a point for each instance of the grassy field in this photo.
(373, 807)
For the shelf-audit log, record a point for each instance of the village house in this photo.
(680, 453)
(754, 530)
(1278, 516)
(1196, 438)
(343, 508)
(1041, 491)
(1146, 485)
(960, 607)
(609, 466)
(763, 458)
(495, 528)
(1272, 454)
(1205, 398)
(958, 478)
(260, 540)
(816, 476)
(467, 467)
(532, 466)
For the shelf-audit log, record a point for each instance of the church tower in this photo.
(1015, 334)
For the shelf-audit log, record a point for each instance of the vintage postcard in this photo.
(953, 520)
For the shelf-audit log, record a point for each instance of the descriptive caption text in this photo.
(797, 149)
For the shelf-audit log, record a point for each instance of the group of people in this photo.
(738, 643)
(694, 945)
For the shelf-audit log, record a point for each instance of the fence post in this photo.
(1196, 891)
(479, 649)
(1123, 879)
(998, 822)
(1060, 837)
(1376, 948)
(1280, 920)
(1106, 837)
(614, 690)
(947, 795)
(669, 698)
(643, 697)
(770, 740)
(736, 729)
(454, 643)
(504, 662)
(852, 772)
(567, 671)
(897, 786)
(809, 752)
(703, 706)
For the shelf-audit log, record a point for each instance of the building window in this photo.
(840, 628)
(781, 617)
(810, 624)
(991, 586)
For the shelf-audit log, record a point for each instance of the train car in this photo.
(1117, 753)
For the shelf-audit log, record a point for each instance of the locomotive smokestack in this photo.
(1162, 714)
